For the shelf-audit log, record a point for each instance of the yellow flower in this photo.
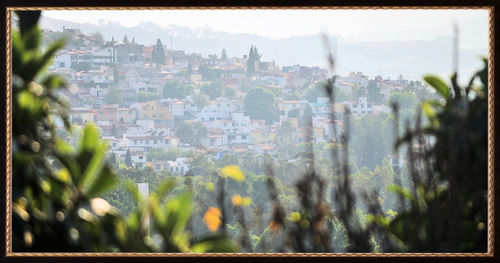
(210, 186)
(237, 200)
(295, 216)
(247, 201)
(234, 172)
(212, 218)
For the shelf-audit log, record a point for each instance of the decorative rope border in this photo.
(491, 137)
(8, 132)
(491, 132)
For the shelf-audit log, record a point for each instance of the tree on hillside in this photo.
(200, 132)
(99, 38)
(112, 159)
(260, 104)
(256, 54)
(176, 90)
(223, 55)
(209, 73)
(229, 92)
(315, 91)
(125, 39)
(185, 132)
(214, 90)
(158, 55)
(189, 70)
(113, 96)
(251, 62)
(128, 159)
(374, 92)
(306, 119)
(200, 100)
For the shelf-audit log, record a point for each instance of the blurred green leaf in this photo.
(104, 181)
(214, 243)
(438, 85)
(405, 192)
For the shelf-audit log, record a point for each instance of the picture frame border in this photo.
(8, 143)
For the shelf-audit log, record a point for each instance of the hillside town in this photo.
(152, 98)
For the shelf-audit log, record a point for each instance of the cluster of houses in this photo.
(139, 127)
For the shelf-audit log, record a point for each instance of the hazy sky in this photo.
(354, 25)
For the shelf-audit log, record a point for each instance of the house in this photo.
(112, 141)
(262, 136)
(154, 110)
(219, 109)
(138, 159)
(396, 162)
(263, 149)
(238, 138)
(285, 106)
(180, 108)
(356, 78)
(326, 126)
(107, 113)
(102, 57)
(82, 115)
(215, 141)
(70, 58)
(179, 166)
(126, 115)
(150, 142)
(321, 107)
(361, 107)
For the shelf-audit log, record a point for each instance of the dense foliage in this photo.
(56, 188)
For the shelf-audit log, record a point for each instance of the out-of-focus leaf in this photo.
(178, 213)
(430, 112)
(165, 187)
(215, 243)
(103, 182)
(400, 191)
(63, 147)
(438, 85)
(92, 152)
(28, 19)
(48, 56)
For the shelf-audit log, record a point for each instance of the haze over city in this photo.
(376, 42)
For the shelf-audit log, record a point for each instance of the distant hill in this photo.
(389, 59)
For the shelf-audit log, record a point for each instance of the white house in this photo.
(102, 57)
(361, 107)
(219, 109)
(179, 166)
(62, 61)
(215, 141)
